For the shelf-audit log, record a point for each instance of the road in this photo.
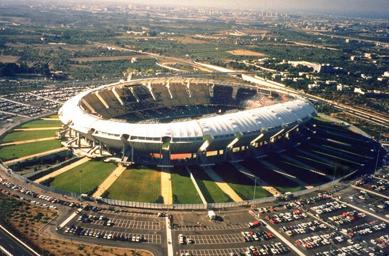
(373, 116)
(12, 246)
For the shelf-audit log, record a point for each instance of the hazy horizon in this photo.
(351, 7)
(366, 8)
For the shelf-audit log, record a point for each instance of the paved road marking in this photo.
(166, 187)
(115, 174)
(19, 241)
(63, 169)
(222, 184)
(27, 141)
(283, 239)
(364, 211)
(371, 192)
(169, 239)
(24, 158)
(38, 129)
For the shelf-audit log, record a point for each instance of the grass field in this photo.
(289, 189)
(280, 182)
(17, 151)
(87, 176)
(242, 185)
(52, 116)
(41, 123)
(184, 191)
(211, 192)
(27, 135)
(139, 185)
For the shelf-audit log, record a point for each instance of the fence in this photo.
(160, 206)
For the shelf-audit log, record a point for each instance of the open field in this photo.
(17, 151)
(27, 135)
(243, 52)
(211, 192)
(84, 178)
(140, 185)
(103, 58)
(242, 185)
(41, 123)
(8, 59)
(184, 191)
(189, 40)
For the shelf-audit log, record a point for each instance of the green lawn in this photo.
(41, 123)
(52, 116)
(211, 192)
(138, 185)
(17, 151)
(27, 135)
(246, 192)
(184, 192)
(87, 176)
(289, 189)
(242, 185)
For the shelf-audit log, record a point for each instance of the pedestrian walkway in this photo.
(222, 184)
(107, 183)
(50, 118)
(166, 187)
(63, 169)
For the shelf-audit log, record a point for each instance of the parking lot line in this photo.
(364, 211)
(370, 192)
(283, 239)
(169, 239)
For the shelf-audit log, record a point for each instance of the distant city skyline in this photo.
(363, 8)
(352, 7)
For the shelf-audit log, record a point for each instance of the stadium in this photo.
(183, 142)
(178, 121)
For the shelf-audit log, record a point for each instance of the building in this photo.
(184, 120)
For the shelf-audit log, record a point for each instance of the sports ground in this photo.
(333, 153)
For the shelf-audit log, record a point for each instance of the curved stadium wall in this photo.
(167, 120)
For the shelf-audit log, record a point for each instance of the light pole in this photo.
(378, 151)
(255, 186)
(80, 181)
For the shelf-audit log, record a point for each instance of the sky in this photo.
(367, 7)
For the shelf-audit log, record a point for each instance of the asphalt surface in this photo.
(13, 246)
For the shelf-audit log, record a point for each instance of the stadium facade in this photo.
(178, 120)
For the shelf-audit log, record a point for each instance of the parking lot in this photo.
(319, 223)
(262, 249)
(101, 233)
(218, 239)
(120, 227)
(230, 235)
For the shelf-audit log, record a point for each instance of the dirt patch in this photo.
(32, 223)
(189, 40)
(243, 52)
(8, 59)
